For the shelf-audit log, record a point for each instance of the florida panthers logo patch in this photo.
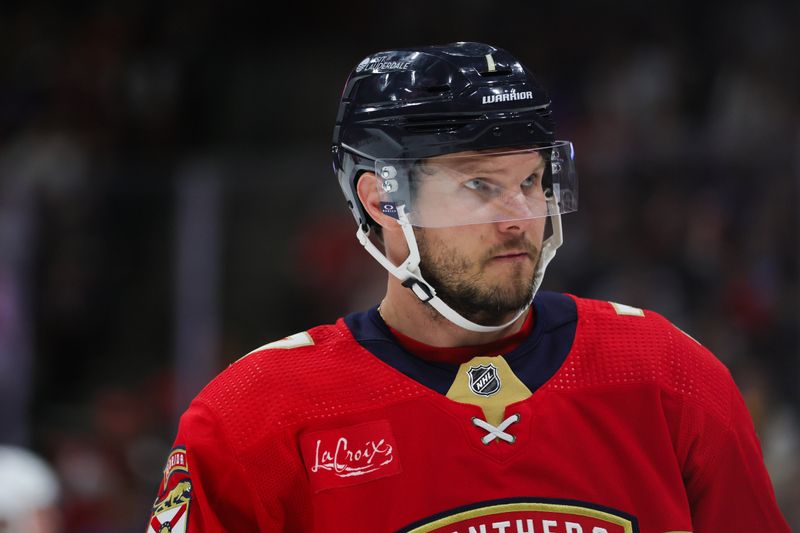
(528, 516)
(171, 508)
(483, 379)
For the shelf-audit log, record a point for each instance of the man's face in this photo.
(483, 271)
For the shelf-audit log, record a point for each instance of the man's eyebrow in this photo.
(485, 168)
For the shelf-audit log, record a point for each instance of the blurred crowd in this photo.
(167, 205)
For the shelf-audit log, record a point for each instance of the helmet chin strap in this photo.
(410, 276)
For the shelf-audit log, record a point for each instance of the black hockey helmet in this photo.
(434, 100)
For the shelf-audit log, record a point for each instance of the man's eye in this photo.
(528, 182)
(476, 184)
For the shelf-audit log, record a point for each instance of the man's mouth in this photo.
(512, 256)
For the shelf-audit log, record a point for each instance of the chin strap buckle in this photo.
(424, 292)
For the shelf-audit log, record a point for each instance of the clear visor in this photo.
(479, 187)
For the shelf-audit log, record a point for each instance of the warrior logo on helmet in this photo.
(508, 96)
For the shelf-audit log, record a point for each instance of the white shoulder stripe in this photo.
(292, 341)
(623, 309)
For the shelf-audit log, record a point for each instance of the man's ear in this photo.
(370, 197)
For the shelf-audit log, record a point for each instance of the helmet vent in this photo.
(495, 73)
(438, 89)
(433, 124)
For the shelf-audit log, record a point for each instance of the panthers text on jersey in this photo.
(606, 418)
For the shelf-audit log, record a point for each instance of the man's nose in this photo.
(517, 205)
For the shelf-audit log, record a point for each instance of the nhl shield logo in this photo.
(483, 379)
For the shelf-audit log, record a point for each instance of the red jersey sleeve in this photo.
(205, 486)
(726, 482)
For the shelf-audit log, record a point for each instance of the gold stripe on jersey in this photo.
(512, 389)
(568, 510)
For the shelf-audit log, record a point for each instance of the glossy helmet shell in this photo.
(434, 100)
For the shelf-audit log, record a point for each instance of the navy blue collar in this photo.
(534, 361)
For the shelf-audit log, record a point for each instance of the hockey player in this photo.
(467, 401)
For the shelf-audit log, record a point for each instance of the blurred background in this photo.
(167, 204)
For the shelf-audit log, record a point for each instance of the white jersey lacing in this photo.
(497, 432)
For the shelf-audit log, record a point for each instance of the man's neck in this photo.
(406, 313)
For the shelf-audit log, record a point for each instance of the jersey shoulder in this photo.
(309, 376)
(621, 344)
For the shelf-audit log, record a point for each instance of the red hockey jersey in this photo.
(605, 419)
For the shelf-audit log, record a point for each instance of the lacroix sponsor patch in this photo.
(350, 455)
(529, 517)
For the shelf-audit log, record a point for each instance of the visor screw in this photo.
(496, 131)
(388, 172)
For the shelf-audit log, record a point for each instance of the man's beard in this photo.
(470, 295)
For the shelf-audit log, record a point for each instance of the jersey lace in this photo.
(497, 432)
